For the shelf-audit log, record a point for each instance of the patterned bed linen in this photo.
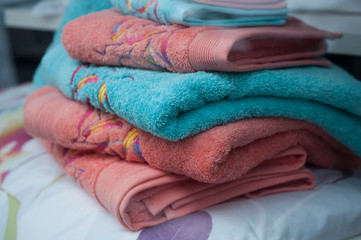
(37, 201)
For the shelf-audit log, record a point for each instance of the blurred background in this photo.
(27, 28)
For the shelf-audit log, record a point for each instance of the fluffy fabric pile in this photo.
(204, 114)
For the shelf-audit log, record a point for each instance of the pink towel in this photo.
(264, 4)
(109, 38)
(221, 154)
(140, 196)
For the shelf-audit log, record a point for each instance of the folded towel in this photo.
(140, 196)
(185, 12)
(221, 154)
(247, 4)
(109, 38)
(175, 106)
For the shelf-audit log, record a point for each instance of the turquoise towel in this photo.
(176, 106)
(186, 12)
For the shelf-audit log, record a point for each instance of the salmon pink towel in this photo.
(140, 196)
(221, 154)
(109, 38)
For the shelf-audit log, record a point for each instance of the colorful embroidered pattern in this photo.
(152, 39)
(143, 9)
(117, 31)
(84, 81)
(102, 96)
(106, 146)
(74, 90)
(70, 156)
(133, 139)
(92, 79)
(87, 130)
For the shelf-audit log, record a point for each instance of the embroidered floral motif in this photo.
(69, 157)
(156, 38)
(85, 132)
(144, 9)
(133, 139)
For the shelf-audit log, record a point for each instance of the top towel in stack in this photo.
(188, 12)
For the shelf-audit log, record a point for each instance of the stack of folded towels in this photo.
(174, 133)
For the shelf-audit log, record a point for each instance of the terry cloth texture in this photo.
(140, 196)
(109, 38)
(221, 154)
(175, 106)
(185, 12)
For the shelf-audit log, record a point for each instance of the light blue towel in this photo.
(175, 106)
(186, 12)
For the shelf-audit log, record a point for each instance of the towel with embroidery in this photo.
(140, 196)
(221, 154)
(109, 38)
(186, 12)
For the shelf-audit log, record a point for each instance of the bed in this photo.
(38, 201)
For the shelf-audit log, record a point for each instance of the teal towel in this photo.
(186, 12)
(175, 106)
